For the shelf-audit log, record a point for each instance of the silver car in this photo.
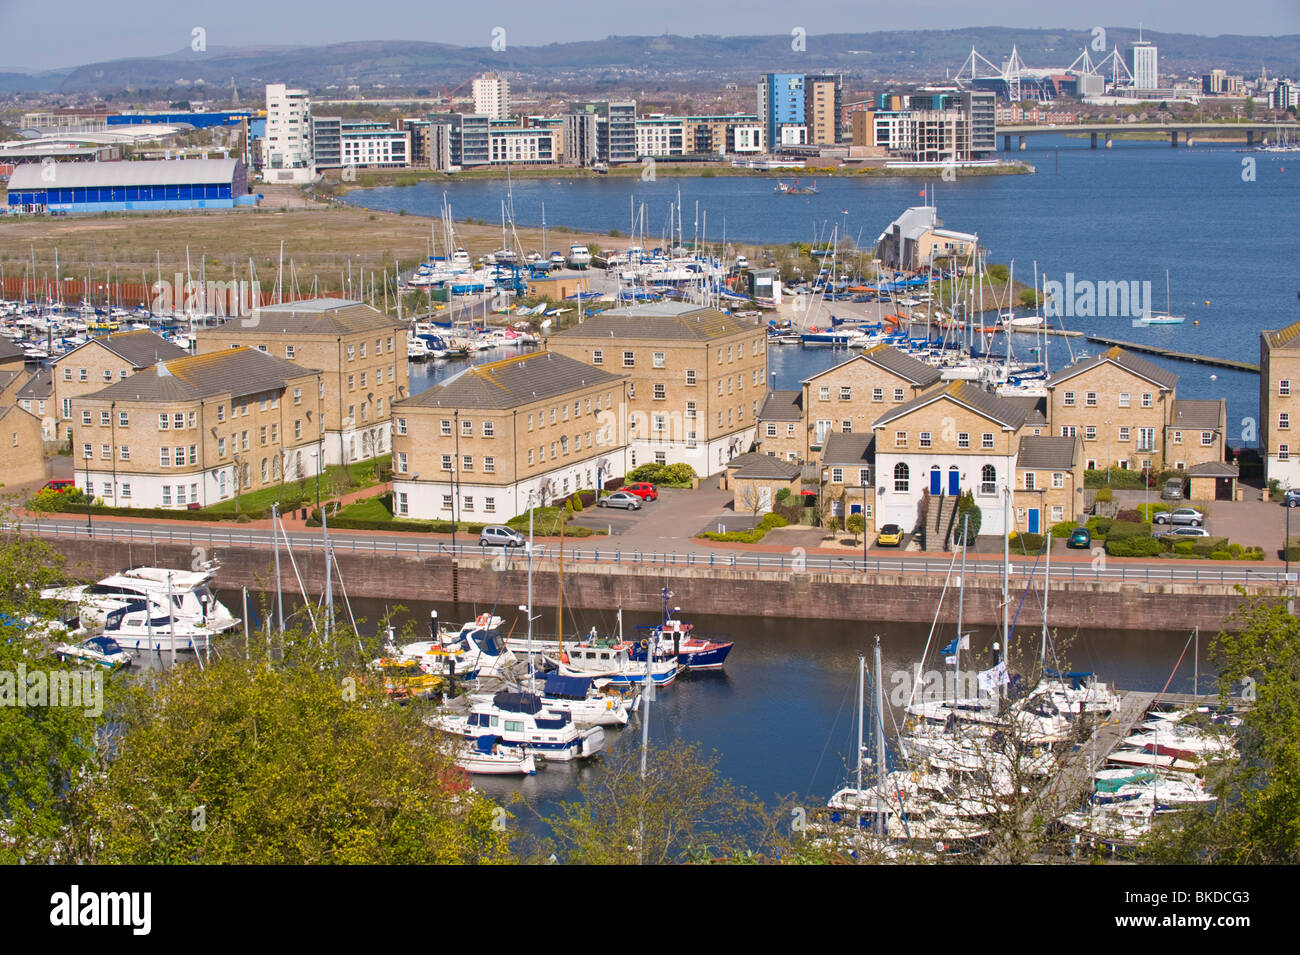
(1181, 515)
(1186, 530)
(494, 535)
(622, 499)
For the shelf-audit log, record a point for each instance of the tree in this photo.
(292, 762)
(855, 525)
(969, 516)
(1258, 788)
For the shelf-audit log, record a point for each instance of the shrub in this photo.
(1221, 555)
(1134, 547)
(1099, 527)
(772, 520)
(1183, 547)
(1148, 511)
(1105, 494)
(783, 495)
(1130, 515)
(1123, 530)
(1063, 529)
(968, 515)
(1027, 543)
(576, 501)
(670, 475)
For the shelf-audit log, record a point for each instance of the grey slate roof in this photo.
(753, 464)
(902, 364)
(139, 348)
(1126, 360)
(1197, 414)
(1213, 469)
(40, 385)
(658, 321)
(782, 406)
(1007, 413)
(317, 316)
(511, 382)
(851, 450)
(236, 371)
(1046, 452)
(9, 351)
(1035, 409)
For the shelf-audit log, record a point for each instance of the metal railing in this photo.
(1099, 571)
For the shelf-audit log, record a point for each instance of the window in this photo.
(657, 359)
(123, 421)
(490, 465)
(837, 475)
(166, 495)
(106, 451)
(179, 456)
(1146, 399)
(530, 457)
(719, 356)
(180, 493)
(877, 394)
(401, 462)
(1123, 399)
(490, 505)
(164, 422)
(164, 457)
(1090, 399)
(1207, 438)
(1284, 452)
(194, 454)
(489, 429)
(126, 490)
(178, 420)
(846, 393)
(900, 478)
(85, 417)
(221, 447)
(82, 375)
(900, 439)
(898, 394)
(446, 462)
(466, 428)
(446, 502)
(445, 428)
(1178, 437)
(690, 412)
(288, 352)
(1284, 387)
(104, 418)
(352, 382)
(67, 374)
(1058, 479)
(1147, 439)
(124, 453)
(986, 440)
(1069, 430)
(243, 440)
(86, 452)
(221, 412)
(661, 422)
(1030, 480)
(467, 462)
(988, 479)
(661, 457)
(108, 374)
(660, 392)
(824, 393)
(690, 376)
(352, 352)
(363, 379)
(1124, 433)
(598, 356)
(1069, 399)
(629, 359)
(925, 439)
(771, 431)
(1284, 420)
(1090, 433)
(847, 425)
(719, 386)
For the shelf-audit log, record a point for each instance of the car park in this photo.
(494, 535)
(1181, 515)
(623, 499)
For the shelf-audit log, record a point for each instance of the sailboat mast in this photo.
(862, 682)
(880, 739)
(961, 594)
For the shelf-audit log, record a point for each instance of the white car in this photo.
(1186, 530)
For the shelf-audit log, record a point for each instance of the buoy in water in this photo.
(1196, 321)
(1207, 301)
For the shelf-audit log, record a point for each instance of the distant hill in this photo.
(400, 64)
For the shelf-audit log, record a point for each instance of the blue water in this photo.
(1126, 214)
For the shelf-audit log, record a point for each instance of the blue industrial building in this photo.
(197, 120)
(146, 186)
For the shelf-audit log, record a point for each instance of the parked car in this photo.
(623, 499)
(59, 485)
(642, 489)
(1186, 530)
(494, 535)
(1292, 497)
(1181, 515)
(1080, 537)
(1173, 490)
(891, 535)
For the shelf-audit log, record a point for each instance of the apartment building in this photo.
(360, 351)
(1049, 482)
(36, 396)
(192, 431)
(1120, 405)
(1279, 408)
(695, 379)
(947, 441)
(476, 446)
(102, 361)
(850, 397)
(288, 155)
(781, 429)
(492, 96)
(22, 450)
(376, 145)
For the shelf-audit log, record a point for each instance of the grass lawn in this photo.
(371, 509)
(298, 493)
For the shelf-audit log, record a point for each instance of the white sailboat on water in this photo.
(1166, 317)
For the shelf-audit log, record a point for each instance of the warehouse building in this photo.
(129, 186)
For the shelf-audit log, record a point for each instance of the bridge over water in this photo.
(1255, 131)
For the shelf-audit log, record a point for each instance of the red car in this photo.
(61, 486)
(642, 489)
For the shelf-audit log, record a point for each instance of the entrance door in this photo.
(954, 481)
(1223, 489)
(1033, 520)
(936, 480)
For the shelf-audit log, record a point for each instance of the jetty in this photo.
(1177, 355)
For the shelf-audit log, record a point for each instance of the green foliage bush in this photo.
(1063, 530)
(1123, 530)
(1105, 494)
(968, 515)
(1027, 543)
(669, 475)
(1147, 511)
(1099, 527)
(1136, 546)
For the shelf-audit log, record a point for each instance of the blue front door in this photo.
(936, 481)
(1033, 520)
(954, 481)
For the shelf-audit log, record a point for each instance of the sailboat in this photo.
(1161, 318)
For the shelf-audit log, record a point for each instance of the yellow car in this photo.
(891, 535)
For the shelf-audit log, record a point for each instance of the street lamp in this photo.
(862, 478)
(1109, 462)
(315, 466)
(90, 530)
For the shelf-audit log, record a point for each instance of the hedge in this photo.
(159, 513)
(769, 521)
(1123, 530)
(1135, 546)
(669, 475)
(1027, 543)
(1099, 527)
(1147, 511)
(1063, 529)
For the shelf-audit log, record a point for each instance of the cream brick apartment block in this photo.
(474, 448)
(360, 351)
(198, 430)
(695, 379)
(1279, 407)
(102, 361)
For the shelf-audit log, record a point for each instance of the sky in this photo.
(65, 33)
